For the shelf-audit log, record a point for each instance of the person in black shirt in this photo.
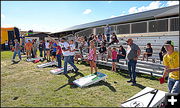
(41, 48)
(90, 38)
(121, 53)
(114, 39)
(102, 51)
(148, 52)
(162, 53)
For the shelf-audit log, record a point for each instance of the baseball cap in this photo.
(129, 40)
(169, 42)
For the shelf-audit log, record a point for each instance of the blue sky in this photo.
(54, 16)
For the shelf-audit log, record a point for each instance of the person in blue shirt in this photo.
(54, 51)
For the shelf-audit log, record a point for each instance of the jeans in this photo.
(17, 52)
(131, 69)
(59, 60)
(41, 53)
(6, 47)
(108, 37)
(72, 58)
(67, 60)
(173, 85)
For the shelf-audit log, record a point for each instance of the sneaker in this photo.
(12, 60)
(129, 81)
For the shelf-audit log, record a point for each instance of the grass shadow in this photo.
(15, 62)
(125, 74)
(103, 83)
(140, 86)
(70, 81)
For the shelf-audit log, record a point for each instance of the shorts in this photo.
(47, 49)
(53, 53)
(114, 60)
(28, 51)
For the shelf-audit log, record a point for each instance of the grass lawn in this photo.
(25, 85)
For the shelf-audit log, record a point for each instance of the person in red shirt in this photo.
(114, 59)
(58, 55)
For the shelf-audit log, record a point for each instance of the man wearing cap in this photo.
(172, 67)
(17, 50)
(133, 52)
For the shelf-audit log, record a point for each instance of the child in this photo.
(114, 59)
(109, 53)
(28, 48)
(102, 51)
(148, 52)
(92, 56)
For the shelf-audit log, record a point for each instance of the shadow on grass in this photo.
(15, 62)
(103, 83)
(70, 81)
(140, 86)
(125, 74)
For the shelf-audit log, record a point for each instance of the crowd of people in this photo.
(55, 49)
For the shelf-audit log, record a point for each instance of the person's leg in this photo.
(59, 60)
(160, 56)
(94, 65)
(48, 55)
(130, 72)
(115, 66)
(41, 53)
(71, 63)
(171, 83)
(176, 88)
(112, 66)
(19, 54)
(134, 71)
(14, 55)
(90, 62)
(143, 57)
(65, 64)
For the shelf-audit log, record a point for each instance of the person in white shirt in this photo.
(47, 47)
(66, 53)
(72, 50)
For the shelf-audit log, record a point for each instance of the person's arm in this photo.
(53, 40)
(172, 70)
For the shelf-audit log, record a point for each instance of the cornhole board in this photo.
(90, 79)
(60, 70)
(148, 97)
(47, 64)
(32, 59)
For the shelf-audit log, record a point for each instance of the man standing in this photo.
(17, 50)
(172, 67)
(41, 48)
(6, 45)
(66, 53)
(28, 47)
(133, 52)
(107, 31)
